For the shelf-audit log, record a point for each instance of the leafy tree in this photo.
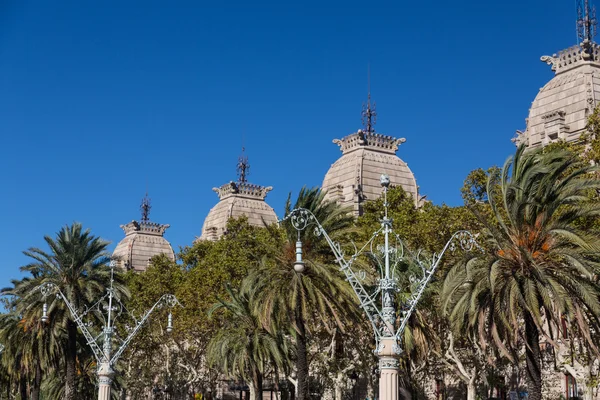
(540, 268)
(198, 281)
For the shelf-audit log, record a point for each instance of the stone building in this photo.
(237, 199)
(354, 177)
(143, 240)
(562, 106)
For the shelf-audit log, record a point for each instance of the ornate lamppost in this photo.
(102, 345)
(387, 319)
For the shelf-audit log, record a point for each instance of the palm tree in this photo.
(320, 292)
(541, 264)
(244, 348)
(28, 351)
(77, 264)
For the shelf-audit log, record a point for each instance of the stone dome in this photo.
(143, 240)
(354, 177)
(561, 108)
(237, 199)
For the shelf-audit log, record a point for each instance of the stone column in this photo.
(388, 353)
(105, 375)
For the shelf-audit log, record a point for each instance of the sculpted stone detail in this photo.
(388, 363)
(550, 60)
(372, 140)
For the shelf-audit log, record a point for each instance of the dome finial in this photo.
(369, 116)
(145, 208)
(243, 167)
(586, 22)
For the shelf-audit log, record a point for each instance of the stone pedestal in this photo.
(105, 377)
(388, 353)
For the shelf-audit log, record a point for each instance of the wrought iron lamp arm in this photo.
(467, 241)
(168, 300)
(300, 219)
(48, 288)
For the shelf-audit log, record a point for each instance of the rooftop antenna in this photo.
(243, 167)
(586, 22)
(145, 208)
(369, 115)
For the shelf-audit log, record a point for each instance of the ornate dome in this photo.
(562, 107)
(354, 177)
(237, 199)
(143, 240)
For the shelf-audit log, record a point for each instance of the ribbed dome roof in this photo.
(561, 108)
(143, 240)
(237, 199)
(354, 177)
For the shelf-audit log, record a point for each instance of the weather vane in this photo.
(369, 116)
(145, 208)
(586, 21)
(243, 167)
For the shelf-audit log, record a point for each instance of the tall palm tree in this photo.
(288, 297)
(243, 347)
(541, 265)
(77, 263)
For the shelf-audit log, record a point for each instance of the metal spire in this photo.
(586, 21)
(369, 115)
(145, 208)
(243, 167)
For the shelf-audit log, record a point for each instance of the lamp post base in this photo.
(105, 376)
(388, 378)
(389, 367)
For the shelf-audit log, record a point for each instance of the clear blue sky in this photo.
(101, 100)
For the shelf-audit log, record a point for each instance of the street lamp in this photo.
(378, 302)
(106, 360)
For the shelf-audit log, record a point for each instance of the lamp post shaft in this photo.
(387, 318)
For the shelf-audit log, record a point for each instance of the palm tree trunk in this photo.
(256, 392)
(70, 361)
(22, 387)
(532, 356)
(37, 383)
(302, 361)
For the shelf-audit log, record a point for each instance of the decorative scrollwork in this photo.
(466, 240)
(300, 218)
(388, 284)
(397, 349)
(47, 288)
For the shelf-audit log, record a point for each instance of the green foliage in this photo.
(243, 348)
(199, 281)
(77, 263)
(540, 267)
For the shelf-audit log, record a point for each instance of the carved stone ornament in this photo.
(550, 60)
(388, 363)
